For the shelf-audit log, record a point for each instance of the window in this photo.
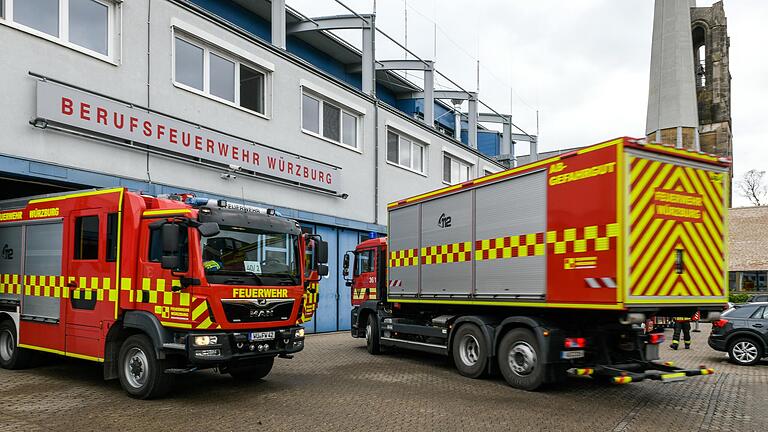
(83, 23)
(222, 78)
(455, 170)
(758, 314)
(189, 64)
(41, 15)
(89, 25)
(252, 85)
(364, 262)
(112, 234)
(331, 120)
(405, 152)
(328, 120)
(740, 311)
(86, 238)
(216, 74)
(310, 114)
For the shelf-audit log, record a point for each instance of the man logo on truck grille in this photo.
(444, 221)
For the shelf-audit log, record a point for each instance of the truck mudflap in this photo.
(640, 371)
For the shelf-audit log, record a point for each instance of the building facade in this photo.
(748, 249)
(175, 96)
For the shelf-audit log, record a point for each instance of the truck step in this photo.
(418, 346)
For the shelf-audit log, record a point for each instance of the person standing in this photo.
(684, 324)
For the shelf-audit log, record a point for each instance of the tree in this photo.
(752, 187)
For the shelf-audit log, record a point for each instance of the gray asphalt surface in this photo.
(334, 385)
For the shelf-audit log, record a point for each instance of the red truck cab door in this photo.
(364, 275)
(91, 280)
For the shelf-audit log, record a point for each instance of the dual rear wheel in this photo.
(519, 356)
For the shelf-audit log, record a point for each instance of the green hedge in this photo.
(738, 298)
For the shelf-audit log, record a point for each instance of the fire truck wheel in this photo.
(520, 360)
(11, 356)
(372, 341)
(141, 374)
(254, 371)
(470, 351)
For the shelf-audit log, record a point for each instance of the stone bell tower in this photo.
(709, 31)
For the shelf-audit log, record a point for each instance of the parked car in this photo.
(742, 332)
(758, 298)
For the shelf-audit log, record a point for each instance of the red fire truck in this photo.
(153, 287)
(550, 268)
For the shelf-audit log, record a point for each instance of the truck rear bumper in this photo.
(636, 372)
(242, 346)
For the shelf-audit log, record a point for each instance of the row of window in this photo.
(83, 23)
(215, 73)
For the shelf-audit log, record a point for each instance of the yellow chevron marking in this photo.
(202, 307)
(654, 241)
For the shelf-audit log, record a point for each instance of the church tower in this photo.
(713, 78)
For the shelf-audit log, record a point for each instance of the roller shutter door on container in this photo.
(446, 246)
(404, 251)
(511, 223)
(10, 263)
(42, 258)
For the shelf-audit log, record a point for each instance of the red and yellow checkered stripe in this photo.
(510, 247)
(695, 228)
(571, 240)
(447, 253)
(589, 238)
(404, 258)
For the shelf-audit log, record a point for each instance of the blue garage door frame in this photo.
(348, 239)
(335, 298)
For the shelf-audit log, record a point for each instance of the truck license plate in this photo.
(261, 336)
(568, 355)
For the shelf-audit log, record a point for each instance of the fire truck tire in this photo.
(521, 360)
(11, 355)
(470, 351)
(372, 341)
(141, 374)
(253, 371)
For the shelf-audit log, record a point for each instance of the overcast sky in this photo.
(584, 64)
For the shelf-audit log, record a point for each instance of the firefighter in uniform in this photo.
(684, 324)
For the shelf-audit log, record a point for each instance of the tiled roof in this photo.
(748, 230)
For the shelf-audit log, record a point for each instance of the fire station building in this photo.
(247, 101)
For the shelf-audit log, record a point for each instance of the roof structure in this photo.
(748, 242)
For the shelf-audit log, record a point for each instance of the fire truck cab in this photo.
(153, 287)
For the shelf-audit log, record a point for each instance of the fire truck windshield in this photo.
(245, 256)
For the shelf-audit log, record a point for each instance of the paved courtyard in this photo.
(336, 385)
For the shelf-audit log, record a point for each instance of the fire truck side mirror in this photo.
(169, 234)
(321, 253)
(346, 265)
(322, 270)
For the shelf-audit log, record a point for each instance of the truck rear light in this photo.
(720, 323)
(579, 342)
(656, 338)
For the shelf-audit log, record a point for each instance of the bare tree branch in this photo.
(752, 187)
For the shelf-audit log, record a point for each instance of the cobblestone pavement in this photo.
(336, 385)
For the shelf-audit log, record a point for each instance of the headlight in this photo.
(206, 340)
(299, 333)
